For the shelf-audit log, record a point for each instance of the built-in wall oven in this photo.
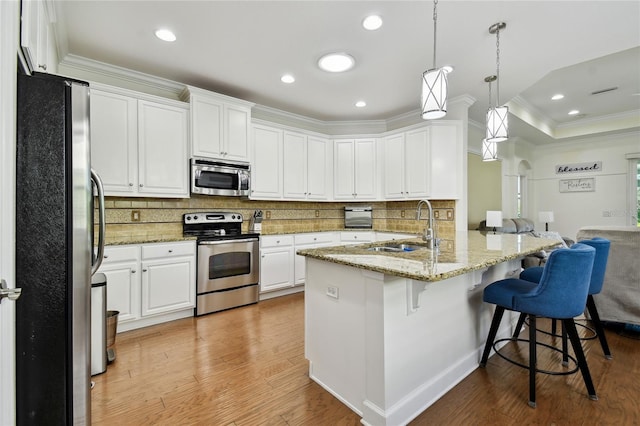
(227, 263)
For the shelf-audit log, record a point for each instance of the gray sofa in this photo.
(619, 300)
(522, 226)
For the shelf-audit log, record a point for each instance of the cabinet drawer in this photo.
(356, 237)
(315, 238)
(276, 241)
(151, 251)
(120, 254)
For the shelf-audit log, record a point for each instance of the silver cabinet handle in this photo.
(144, 270)
(106, 256)
(170, 251)
(130, 184)
(141, 185)
(133, 271)
(10, 293)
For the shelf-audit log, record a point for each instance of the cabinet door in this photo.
(319, 168)
(365, 169)
(417, 164)
(394, 167)
(236, 133)
(114, 141)
(276, 268)
(266, 170)
(343, 172)
(446, 154)
(294, 166)
(123, 289)
(162, 145)
(206, 125)
(167, 285)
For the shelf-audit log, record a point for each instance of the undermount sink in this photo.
(397, 248)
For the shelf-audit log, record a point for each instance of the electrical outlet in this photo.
(317, 213)
(450, 214)
(332, 292)
(135, 215)
(268, 214)
(436, 214)
(402, 213)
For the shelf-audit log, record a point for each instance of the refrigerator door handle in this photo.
(97, 261)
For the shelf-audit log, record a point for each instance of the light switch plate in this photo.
(332, 292)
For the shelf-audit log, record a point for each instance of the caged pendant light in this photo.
(497, 117)
(489, 148)
(434, 83)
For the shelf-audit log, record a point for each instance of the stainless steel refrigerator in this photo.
(54, 251)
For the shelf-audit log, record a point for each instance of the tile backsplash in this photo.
(146, 219)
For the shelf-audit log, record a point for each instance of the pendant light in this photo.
(434, 83)
(489, 148)
(497, 117)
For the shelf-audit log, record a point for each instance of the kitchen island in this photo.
(389, 330)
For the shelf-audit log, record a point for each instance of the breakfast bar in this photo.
(392, 326)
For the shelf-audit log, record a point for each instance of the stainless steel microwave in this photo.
(228, 178)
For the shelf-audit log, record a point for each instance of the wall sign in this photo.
(578, 185)
(595, 166)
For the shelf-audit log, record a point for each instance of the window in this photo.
(633, 196)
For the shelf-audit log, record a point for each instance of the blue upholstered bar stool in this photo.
(601, 245)
(560, 294)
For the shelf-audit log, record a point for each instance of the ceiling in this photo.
(241, 48)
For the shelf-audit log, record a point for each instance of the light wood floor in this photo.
(246, 366)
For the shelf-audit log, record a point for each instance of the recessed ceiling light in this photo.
(557, 97)
(165, 35)
(287, 78)
(361, 104)
(336, 62)
(574, 112)
(372, 22)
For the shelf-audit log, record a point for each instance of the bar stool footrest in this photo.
(525, 366)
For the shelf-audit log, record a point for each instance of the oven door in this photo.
(224, 264)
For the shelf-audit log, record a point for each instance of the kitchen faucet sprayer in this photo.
(429, 235)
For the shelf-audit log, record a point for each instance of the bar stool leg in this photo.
(595, 318)
(570, 327)
(565, 349)
(532, 361)
(516, 332)
(495, 323)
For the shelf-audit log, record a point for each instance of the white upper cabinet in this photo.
(355, 169)
(406, 165)
(36, 37)
(162, 149)
(446, 160)
(266, 163)
(139, 146)
(220, 125)
(307, 167)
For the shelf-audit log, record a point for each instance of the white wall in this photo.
(607, 205)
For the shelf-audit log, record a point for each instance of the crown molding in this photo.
(106, 73)
(626, 120)
(526, 112)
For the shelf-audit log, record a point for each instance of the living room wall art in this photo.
(593, 166)
(578, 185)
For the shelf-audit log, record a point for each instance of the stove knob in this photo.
(188, 217)
(195, 218)
(233, 216)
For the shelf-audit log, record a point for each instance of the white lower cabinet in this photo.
(276, 262)
(310, 241)
(150, 283)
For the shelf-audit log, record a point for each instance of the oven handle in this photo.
(244, 240)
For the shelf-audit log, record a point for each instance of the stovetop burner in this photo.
(214, 226)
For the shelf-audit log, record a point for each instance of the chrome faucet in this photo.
(429, 235)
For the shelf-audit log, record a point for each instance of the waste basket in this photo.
(98, 323)
(112, 327)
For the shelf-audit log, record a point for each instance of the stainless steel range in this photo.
(228, 261)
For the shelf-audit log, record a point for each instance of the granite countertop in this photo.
(144, 239)
(471, 250)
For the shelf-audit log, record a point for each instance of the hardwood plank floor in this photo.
(246, 366)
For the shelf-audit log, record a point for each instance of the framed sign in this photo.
(594, 166)
(578, 185)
